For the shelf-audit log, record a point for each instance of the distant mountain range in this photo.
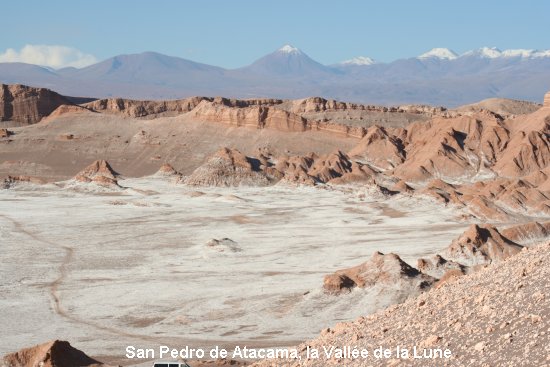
(437, 77)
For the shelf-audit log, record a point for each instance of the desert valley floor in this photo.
(109, 268)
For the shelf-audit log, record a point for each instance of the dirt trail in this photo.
(56, 283)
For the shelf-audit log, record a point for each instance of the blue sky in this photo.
(235, 33)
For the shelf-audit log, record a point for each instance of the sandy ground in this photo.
(107, 269)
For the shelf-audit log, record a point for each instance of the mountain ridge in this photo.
(437, 77)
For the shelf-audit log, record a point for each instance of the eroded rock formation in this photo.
(27, 105)
(382, 270)
(135, 108)
(229, 167)
(99, 172)
(491, 317)
(481, 245)
(51, 354)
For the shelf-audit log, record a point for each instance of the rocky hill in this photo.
(495, 317)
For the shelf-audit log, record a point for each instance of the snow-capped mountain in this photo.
(287, 61)
(439, 77)
(495, 53)
(289, 49)
(359, 60)
(484, 52)
(439, 53)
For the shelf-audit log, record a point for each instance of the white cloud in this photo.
(48, 55)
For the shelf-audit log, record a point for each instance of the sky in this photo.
(232, 34)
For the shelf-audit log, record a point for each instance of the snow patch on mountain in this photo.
(359, 60)
(484, 52)
(289, 49)
(493, 53)
(439, 53)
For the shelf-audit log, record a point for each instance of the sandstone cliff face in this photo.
(546, 102)
(27, 105)
(265, 115)
(255, 116)
(134, 108)
(291, 115)
(153, 109)
(51, 354)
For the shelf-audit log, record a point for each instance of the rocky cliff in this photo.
(134, 108)
(27, 105)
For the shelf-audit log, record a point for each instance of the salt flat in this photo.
(106, 269)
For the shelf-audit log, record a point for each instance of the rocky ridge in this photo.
(230, 167)
(478, 246)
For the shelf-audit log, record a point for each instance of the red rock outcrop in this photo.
(99, 172)
(5, 133)
(166, 170)
(27, 105)
(136, 108)
(51, 354)
(437, 266)
(494, 317)
(481, 245)
(261, 114)
(531, 232)
(229, 167)
(497, 199)
(526, 153)
(256, 116)
(319, 104)
(457, 148)
(466, 146)
(380, 148)
(335, 168)
(380, 269)
(402, 187)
